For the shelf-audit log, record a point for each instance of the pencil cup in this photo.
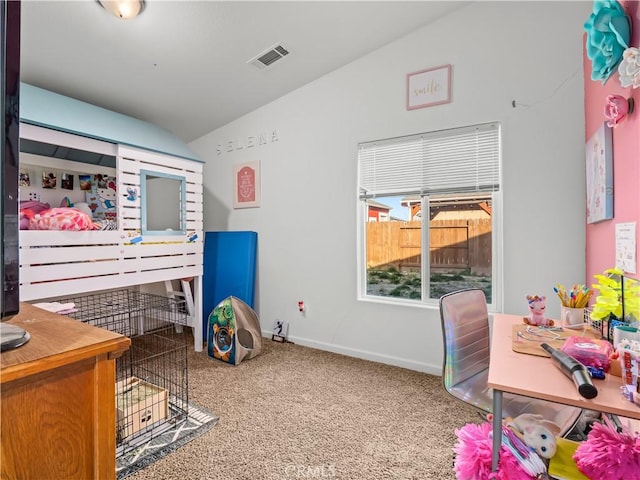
(571, 317)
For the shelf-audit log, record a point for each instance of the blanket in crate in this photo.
(148, 450)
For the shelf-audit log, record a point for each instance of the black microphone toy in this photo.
(573, 369)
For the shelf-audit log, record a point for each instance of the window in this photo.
(453, 177)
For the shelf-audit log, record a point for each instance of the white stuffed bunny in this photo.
(537, 432)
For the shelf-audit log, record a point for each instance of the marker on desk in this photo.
(573, 369)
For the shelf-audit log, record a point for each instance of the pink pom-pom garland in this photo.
(473, 456)
(609, 454)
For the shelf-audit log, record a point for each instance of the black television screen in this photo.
(11, 336)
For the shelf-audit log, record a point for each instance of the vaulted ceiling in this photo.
(185, 66)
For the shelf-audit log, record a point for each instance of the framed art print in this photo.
(49, 179)
(599, 175)
(429, 87)
(85, 182)
(246, 185)
(25, 180)
(67, 181)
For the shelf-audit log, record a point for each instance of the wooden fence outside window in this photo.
(455, 245)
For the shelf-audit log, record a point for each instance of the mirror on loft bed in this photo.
(163, 203)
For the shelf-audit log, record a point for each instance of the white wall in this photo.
(500, 52)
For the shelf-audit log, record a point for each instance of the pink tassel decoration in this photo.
(473, 456)
(609, 454)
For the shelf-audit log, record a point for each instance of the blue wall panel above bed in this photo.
(51, 110)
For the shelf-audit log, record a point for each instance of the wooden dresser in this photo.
(58, 400)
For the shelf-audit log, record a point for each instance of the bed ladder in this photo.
(186, 295)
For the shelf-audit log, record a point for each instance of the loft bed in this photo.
(107, 201)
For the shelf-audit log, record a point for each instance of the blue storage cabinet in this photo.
(229, 270)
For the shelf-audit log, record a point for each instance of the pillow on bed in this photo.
(61, 219)
(28, 208)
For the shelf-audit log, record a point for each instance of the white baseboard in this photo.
(365, 355)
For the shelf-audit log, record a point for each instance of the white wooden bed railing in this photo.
(62, 263)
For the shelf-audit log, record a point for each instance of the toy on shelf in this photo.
(537, 305)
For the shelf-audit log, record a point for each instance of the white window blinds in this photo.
(460, 160)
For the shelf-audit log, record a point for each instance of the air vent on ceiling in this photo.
(269, 57)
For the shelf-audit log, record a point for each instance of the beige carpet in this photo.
(299, 413)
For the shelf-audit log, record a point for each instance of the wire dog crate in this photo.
(152, 376)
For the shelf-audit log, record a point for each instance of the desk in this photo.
(58, 399)
(538, 377)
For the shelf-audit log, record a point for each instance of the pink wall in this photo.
(600, 237)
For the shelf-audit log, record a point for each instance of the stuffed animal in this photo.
(537, 306)
(538, 433)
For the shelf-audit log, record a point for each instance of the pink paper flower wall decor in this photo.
(616, 109)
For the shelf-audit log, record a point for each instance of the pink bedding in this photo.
(38, 216)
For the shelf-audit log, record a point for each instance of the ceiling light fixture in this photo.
(124, 9)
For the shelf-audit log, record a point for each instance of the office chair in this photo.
(465, 332)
